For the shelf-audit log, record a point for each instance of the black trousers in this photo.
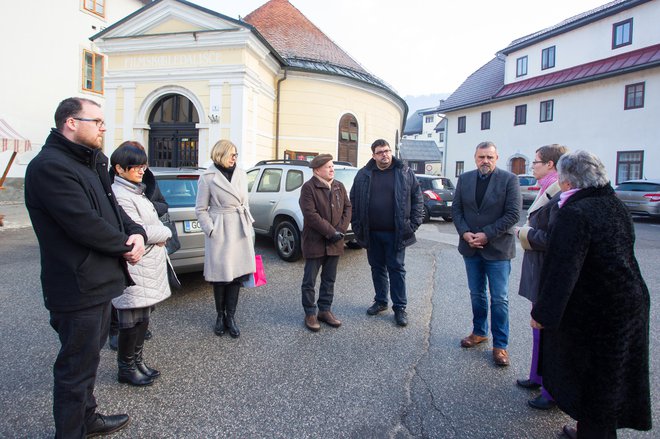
(82, 334)
(328, 264)
(589, 430)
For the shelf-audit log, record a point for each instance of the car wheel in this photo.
(427, 215)
(447, 218)
(287, 241)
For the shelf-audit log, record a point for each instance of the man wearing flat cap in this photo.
(326, 212)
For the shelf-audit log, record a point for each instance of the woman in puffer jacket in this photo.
(134, 306)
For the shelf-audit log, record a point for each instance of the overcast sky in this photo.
(422, 47)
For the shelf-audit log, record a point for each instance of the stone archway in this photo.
(519, 165)
(173, 136)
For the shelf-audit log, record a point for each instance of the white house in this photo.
(591, 82)
(47, 56)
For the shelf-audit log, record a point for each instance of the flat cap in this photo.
(320, 160)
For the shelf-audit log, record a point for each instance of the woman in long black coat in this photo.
(594, 307)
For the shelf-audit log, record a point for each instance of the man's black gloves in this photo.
(336, 237)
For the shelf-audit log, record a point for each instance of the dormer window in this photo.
(622, 33)
(521, 66)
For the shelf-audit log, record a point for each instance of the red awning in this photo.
(10, 140)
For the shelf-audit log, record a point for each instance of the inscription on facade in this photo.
(175, 60)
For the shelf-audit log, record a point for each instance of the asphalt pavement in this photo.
(367, 379)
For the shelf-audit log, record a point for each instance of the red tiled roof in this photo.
(640, 58)
(294, 36)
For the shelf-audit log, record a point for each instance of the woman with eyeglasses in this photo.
(224, 215)
(134, 306)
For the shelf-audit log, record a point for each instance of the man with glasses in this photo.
(85, 240)
(486, 208)
(388, 207)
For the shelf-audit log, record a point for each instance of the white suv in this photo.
(274, 190)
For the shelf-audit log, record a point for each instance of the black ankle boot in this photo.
(219, 295)
(139, 345)
(231, 301)
(128, 371)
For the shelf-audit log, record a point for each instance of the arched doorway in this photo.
(348, 139)
(173, 138)
(518, 165)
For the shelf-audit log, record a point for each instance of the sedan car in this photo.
(641, 197)
(529, 188)
(438, 196)
(179, 187)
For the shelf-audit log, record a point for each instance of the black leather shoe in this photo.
(541, 403)
(401, 317)
(148, 335)
(528, 384)
(102, 425)
(376, 308)
(570, 432)
(112, 342)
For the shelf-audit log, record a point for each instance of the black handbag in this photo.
(174, 281)
(172, 243)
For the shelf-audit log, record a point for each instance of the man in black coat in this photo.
(85, 240)
(388, 207)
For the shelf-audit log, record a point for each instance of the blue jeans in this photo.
(387, 268)
(497, 272)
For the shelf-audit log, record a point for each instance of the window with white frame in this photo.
(428, 119)
(521, 66)
(92, 75)
(622, 33)
(629, 165)
(548, 58)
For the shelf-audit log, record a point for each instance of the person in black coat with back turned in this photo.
(85, 240)
(593, 307)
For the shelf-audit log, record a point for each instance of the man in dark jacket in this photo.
(486, 207)
(384, 222)
(85, 240)
(326, 211)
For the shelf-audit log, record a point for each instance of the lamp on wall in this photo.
(214, 118)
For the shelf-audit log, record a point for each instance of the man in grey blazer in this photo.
(486, 207)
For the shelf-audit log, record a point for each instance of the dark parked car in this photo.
(641, 197)
(438, 196)
(179, 187)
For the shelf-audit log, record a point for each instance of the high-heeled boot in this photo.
(231, 301)
(128, 371)
(143, 327)
(219, 295)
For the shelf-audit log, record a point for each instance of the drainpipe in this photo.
(444, 165)
(277, 116)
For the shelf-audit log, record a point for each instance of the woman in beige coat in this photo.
(134, 306)
(224, 215)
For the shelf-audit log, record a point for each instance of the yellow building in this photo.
(179, 77)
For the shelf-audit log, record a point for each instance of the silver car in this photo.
(529, 188)
(641, 197)
(274, 190)
(179, 187)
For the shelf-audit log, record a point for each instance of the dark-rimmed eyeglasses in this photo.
(142, 168)
(99, 122)
(383, 152)
(536, 162)
(234, 156)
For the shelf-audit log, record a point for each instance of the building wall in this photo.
(590, 116)
(41, 47)
(589, 43)
(312, 106)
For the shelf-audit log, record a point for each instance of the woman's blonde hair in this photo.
(222, 151)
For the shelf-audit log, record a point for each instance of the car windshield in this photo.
(346, 176)
(179, 191)
(527, 181)
(639, 187)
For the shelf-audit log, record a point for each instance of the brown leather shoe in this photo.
(312, 322)
(329, 318)
(472, 340)
(500, 357)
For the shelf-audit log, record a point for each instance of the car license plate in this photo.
(449, 203)
(191, 226)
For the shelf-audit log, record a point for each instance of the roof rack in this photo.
(283, 161)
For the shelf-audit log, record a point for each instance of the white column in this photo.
(129, 112)
(110, 111)
(238, 125)
(215, 106)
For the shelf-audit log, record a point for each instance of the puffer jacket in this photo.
(150, 274)
(408, 204)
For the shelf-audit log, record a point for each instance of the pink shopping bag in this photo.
(258, 278)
